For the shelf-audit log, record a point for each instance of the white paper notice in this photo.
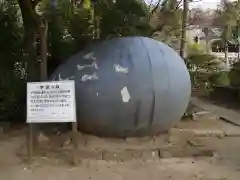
(49, 102)
(125, 95)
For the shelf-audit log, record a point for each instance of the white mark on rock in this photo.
(70, 78)
(59, 77)
(90, 56)
(119, 68)
(89, 77)
(80, 67)
(93, 65)
(153, 154)
(125, 95)
(54, 78)
(63, 79)
(97, 93)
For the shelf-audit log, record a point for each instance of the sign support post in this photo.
(30, 143)
(51, 102)
(75, 142)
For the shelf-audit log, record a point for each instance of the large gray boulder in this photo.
(132, 86)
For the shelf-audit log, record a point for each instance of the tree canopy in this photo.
(37, 31)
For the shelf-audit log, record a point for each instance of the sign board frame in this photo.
(47, 110)
(43, 109)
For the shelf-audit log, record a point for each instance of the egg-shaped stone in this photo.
(131, 86)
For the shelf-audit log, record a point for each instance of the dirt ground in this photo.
(117, 163)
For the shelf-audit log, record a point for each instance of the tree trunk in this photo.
(238, 38)
(238, 30)
(30, 22)
(184, 29)
(226, 46)
(73, 2)
(226, 53)
(207, 45)
(43, 42)
(32, 62)
(206, 32)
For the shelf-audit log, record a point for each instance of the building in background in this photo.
(202, 31)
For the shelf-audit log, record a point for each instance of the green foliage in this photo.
(203, 62)
(234, 74)
(227, 18)
(167, 20)
(219, 78)
(12, 97)
(11, 54)
(193, 49)
(11, 34)
(80, 28)
(73, 28)
(122, 18)
(70, 29)
(204, 70)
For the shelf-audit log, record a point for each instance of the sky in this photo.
(205, 4)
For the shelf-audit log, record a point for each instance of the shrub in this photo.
(219, 78)
(234, 74)
(205, 71)
(11, 44)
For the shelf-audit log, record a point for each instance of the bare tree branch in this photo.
(35, 3)
(178, 5)
(157, 5)
(80, 2)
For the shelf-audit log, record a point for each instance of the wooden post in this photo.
(75, 142)
(30, 143)
(184, 28)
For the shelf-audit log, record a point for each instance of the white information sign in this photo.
(49, 102)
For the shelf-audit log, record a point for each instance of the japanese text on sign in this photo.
(51, 102)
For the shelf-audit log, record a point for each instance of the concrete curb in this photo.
(211, 133)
